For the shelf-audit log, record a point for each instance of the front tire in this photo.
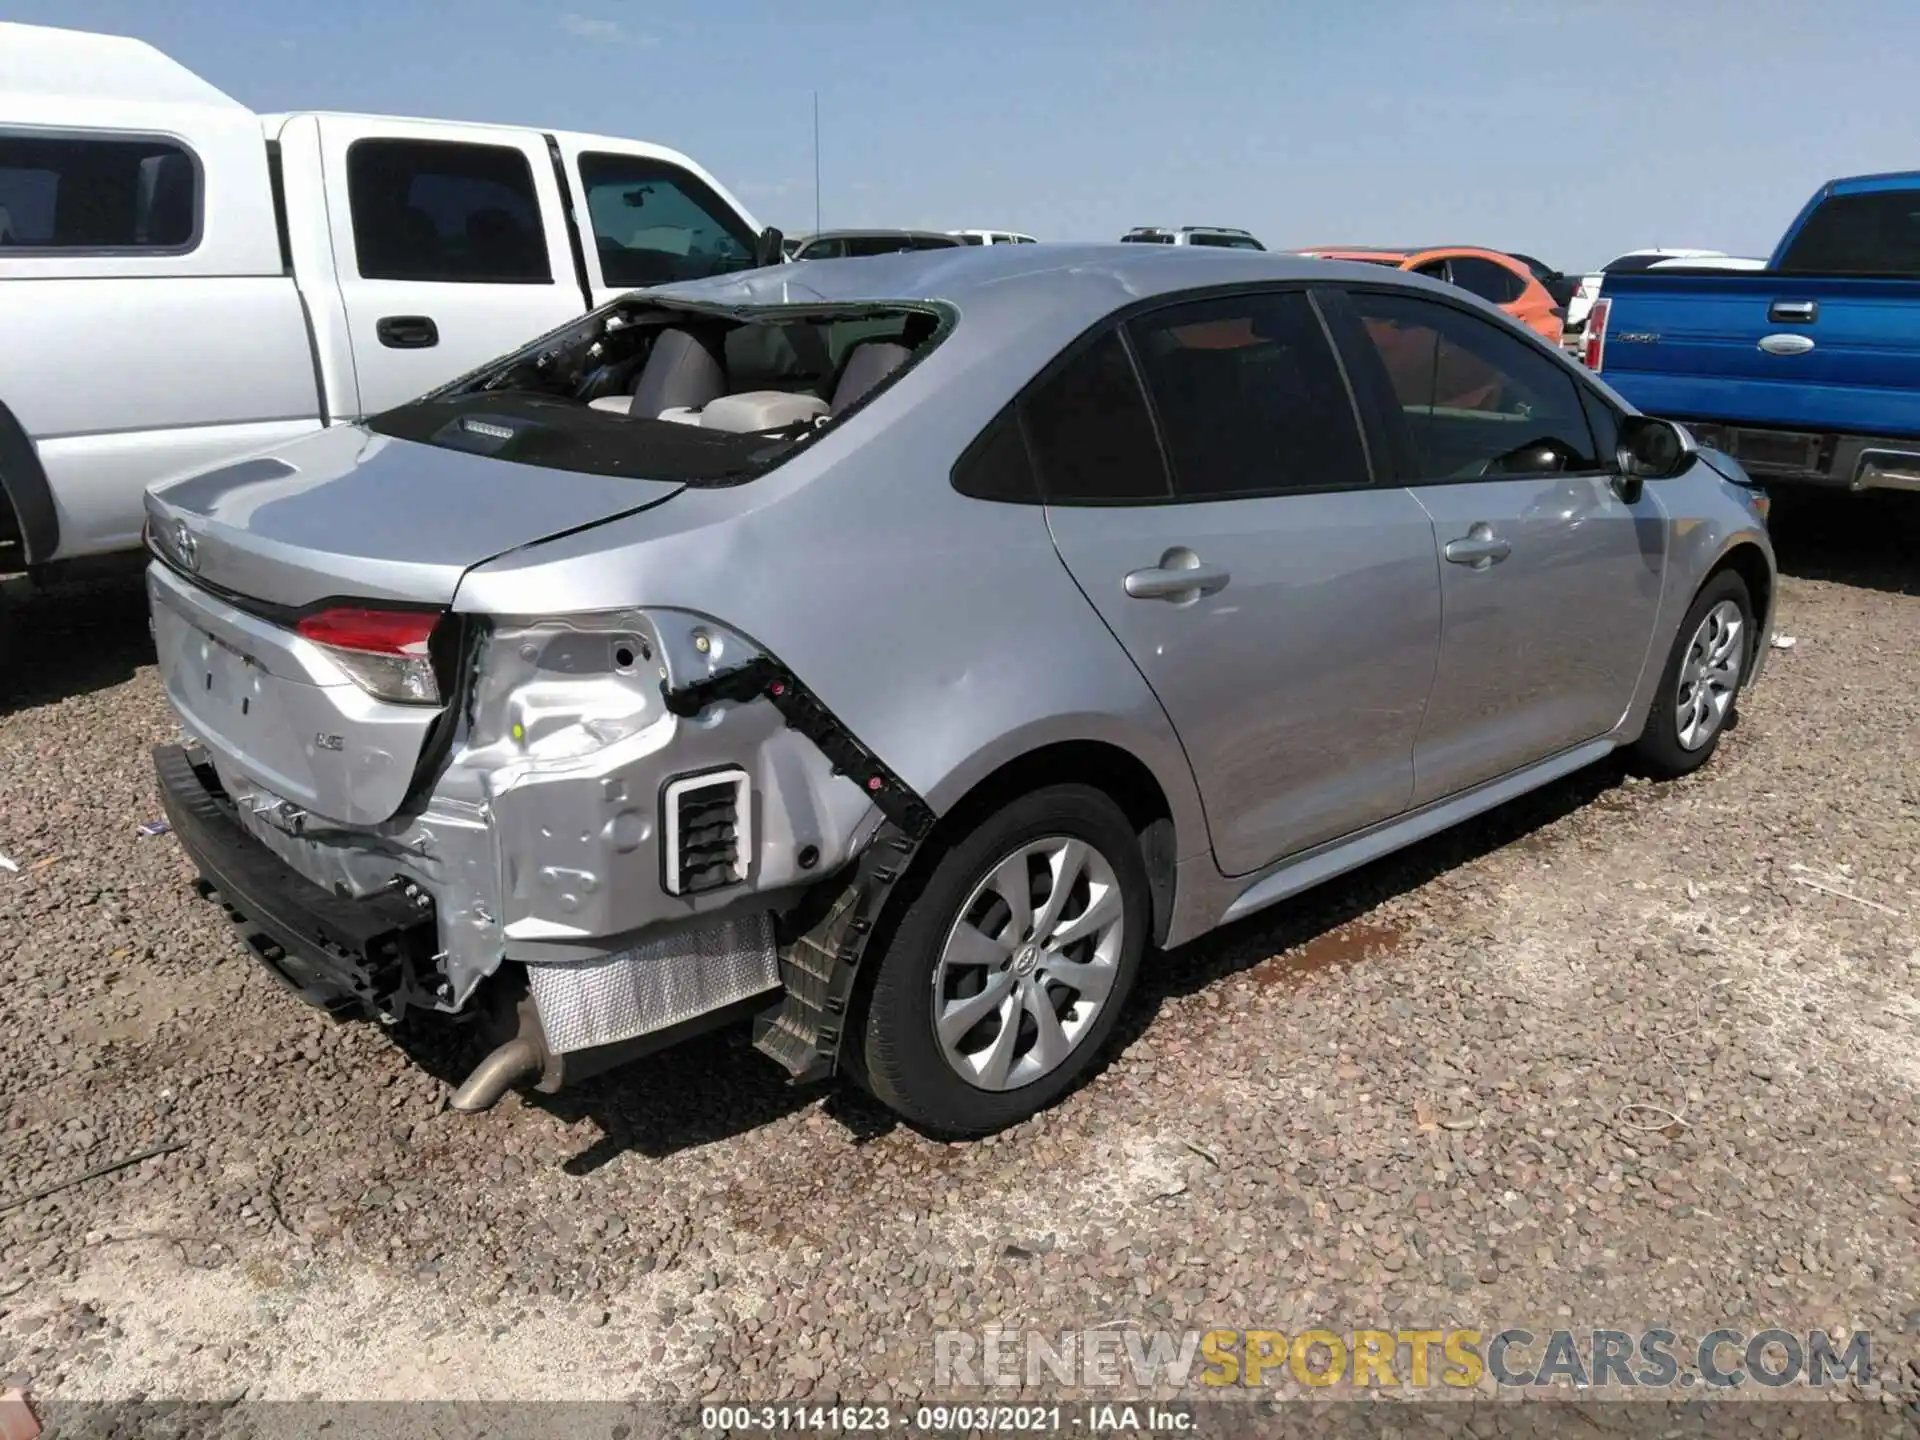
(1700, 685)
(1006, 974)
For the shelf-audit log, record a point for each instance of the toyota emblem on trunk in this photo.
(186, 545)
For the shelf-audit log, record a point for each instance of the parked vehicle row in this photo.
(247, 279)
(1807, 369)
(554, 694)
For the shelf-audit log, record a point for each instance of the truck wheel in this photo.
(1700, 686)
(1006, 974)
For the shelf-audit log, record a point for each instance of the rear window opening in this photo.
(702, 395)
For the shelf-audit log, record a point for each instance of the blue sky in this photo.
(1569, 129)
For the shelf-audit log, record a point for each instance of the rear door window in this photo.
(97, 193)
(654, 223)
(438, 210)
(1250, 397)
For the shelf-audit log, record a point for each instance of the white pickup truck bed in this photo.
(183, 281)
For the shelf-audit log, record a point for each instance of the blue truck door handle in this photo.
(1793, 312)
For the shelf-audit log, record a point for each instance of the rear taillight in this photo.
(384, 652)
(1595, 349)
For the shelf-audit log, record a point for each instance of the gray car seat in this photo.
(682, 371)
(868, 363)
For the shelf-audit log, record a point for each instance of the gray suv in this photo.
(900, 659)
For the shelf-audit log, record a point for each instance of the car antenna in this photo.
(816, 162)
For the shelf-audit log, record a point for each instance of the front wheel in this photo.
(1700, 685)
(1006, 974)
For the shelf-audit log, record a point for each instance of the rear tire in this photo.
(1700, 684)
(1006, 974)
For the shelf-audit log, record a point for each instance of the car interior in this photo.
(705, 396)
(761, 376)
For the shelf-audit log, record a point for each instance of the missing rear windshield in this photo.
(703, 395)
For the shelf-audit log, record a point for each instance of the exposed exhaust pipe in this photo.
(522, 1054)
(519, 1057)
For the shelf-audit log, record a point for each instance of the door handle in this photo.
(1180, 576)
(407, 332)
(1787, 312)
(1479, 548)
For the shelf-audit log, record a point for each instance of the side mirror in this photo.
(1653, 449)
(769, 249)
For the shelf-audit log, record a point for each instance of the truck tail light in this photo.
(1595, 349)
(384, 652)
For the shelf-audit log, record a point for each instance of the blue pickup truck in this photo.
(1807, 372)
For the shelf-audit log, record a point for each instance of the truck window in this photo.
(877, 244)
(1871, 234)
(440, 210)
(653, 223)
(60, 192)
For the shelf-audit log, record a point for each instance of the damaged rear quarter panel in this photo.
(570, 745)
(932, 625)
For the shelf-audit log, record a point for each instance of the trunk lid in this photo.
(349, 518)
(347, 512)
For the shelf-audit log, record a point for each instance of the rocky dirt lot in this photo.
(1621, 1054)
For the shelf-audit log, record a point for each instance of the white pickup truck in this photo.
(183, 281)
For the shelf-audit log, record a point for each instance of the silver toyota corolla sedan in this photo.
(899, 651)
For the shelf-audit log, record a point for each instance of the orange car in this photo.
(1494, 277)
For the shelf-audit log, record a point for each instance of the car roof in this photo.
(1410, 252)
(1004, 289)
(1374, 254)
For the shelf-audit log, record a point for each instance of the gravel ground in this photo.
(1618, 1054)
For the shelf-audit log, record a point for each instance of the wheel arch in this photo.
(1111, 768)
(27, 512)
(1102, 765)
(1747, 560)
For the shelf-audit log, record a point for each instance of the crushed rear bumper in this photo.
(347, 956)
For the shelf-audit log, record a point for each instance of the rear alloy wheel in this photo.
(1700, 685)
(1008, 971)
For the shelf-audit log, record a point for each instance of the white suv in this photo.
(1217, 235)
(992, 237)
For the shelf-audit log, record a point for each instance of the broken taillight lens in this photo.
(1595, 349)
(384, 652)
